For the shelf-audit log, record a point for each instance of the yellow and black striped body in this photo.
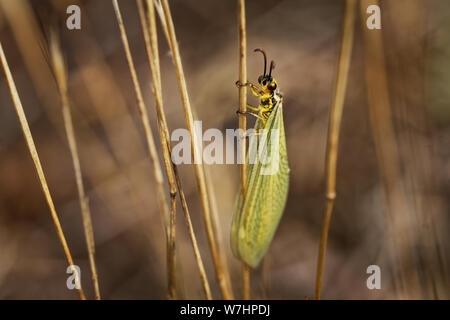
(266, 104)
(268, 100)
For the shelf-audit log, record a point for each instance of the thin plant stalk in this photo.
(333, 131)
(214, 210)
(218, 229)
(37, 163)
(153, 156)
(151, 44)
(195, 148)
(59, 69)
(243, 124)
(162, 18)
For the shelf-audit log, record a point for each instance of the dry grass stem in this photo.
(170, 236)
(151, 43)
(59, 69)
(162, 18)
(37, 163)
(199, 174)
(218, 230)
(333, 130)
(245, 281)
(243, 123)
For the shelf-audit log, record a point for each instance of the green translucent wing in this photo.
(256, 217)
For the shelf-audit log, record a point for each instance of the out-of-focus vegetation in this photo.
(302, 36)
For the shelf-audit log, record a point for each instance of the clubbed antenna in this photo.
(265, 58)
(272, 66)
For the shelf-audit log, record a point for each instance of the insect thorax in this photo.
(270, 101)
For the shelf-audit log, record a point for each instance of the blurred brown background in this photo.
(302, 36)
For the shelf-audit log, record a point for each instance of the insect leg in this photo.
(253, 108)
(253, 114)
(254, 89)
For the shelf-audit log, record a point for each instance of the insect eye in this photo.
(260, 79)
(264, 82)
(272, 86)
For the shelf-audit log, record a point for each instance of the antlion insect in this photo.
(256, 217)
